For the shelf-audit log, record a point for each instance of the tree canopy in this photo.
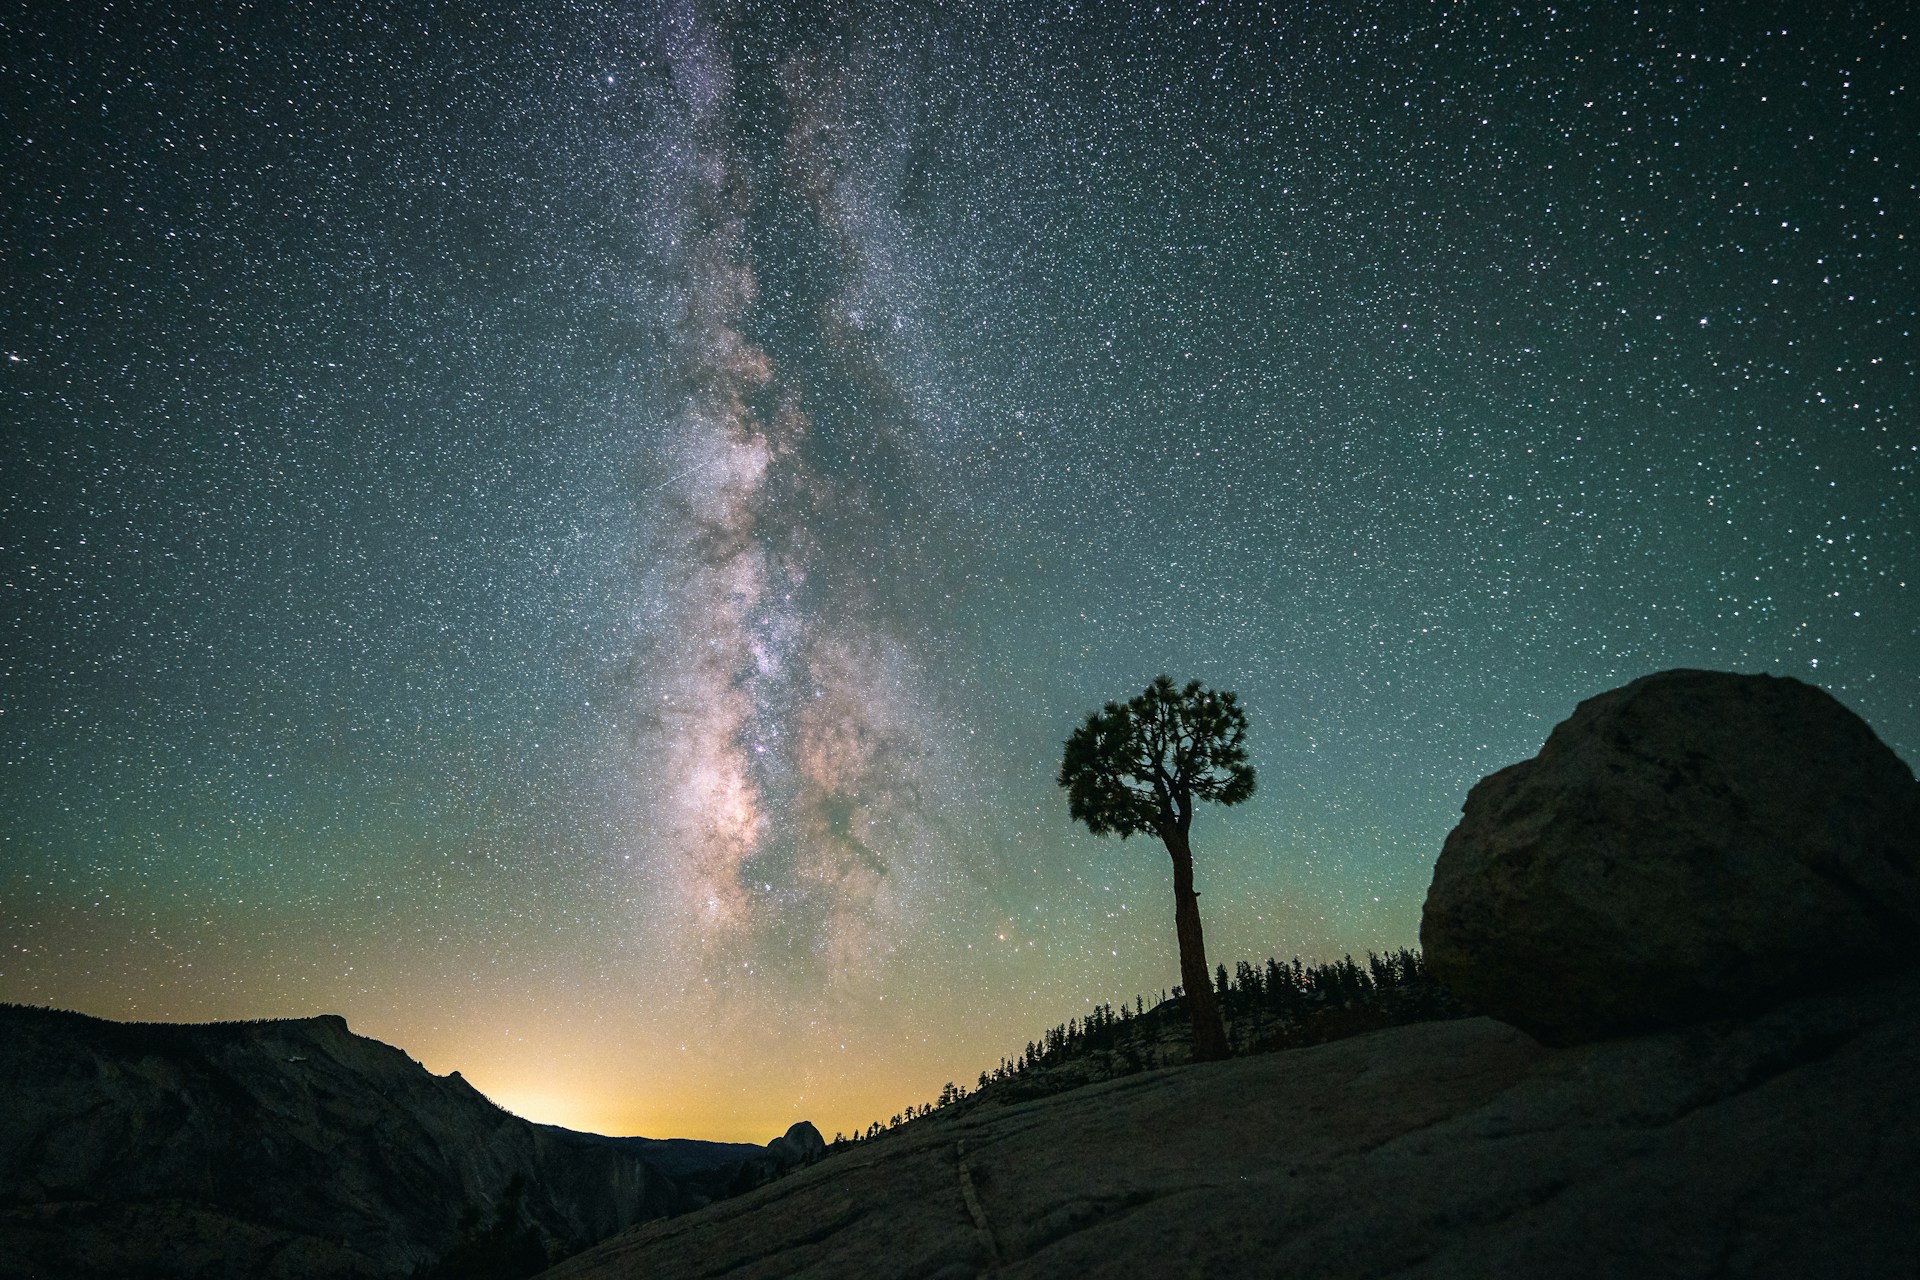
(1139, 765)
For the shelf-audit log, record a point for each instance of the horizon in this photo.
(574, 540)
(547, 1107)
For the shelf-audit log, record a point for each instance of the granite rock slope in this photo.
(1784, 1145)
(1692, 845)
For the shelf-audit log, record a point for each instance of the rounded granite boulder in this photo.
(800, 1145)
(1692, 845)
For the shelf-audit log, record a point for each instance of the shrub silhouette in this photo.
(1265, 1008)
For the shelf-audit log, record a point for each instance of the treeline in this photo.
(1266, 1008)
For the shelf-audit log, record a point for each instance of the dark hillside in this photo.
(292, 1148)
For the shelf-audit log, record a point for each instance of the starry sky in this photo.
(573, 534)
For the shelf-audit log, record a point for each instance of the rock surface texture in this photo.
(291, 1148)
(1787, 1146)
(1692, 845)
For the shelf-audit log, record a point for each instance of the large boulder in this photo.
(1692, 845)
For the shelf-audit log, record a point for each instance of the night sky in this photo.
(573, 535)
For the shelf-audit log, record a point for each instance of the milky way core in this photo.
(783, 732)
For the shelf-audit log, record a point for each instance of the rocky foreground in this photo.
(1785, 1145)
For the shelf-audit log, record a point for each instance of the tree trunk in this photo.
(1209, 1037)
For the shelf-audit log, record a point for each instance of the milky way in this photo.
(784, 728)
(573, 536)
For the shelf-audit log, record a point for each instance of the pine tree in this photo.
(1139, 767)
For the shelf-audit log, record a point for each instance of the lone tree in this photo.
(1139, 767)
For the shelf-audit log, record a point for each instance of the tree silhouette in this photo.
(1139, 767)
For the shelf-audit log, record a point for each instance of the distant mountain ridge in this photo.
(297, 1148)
